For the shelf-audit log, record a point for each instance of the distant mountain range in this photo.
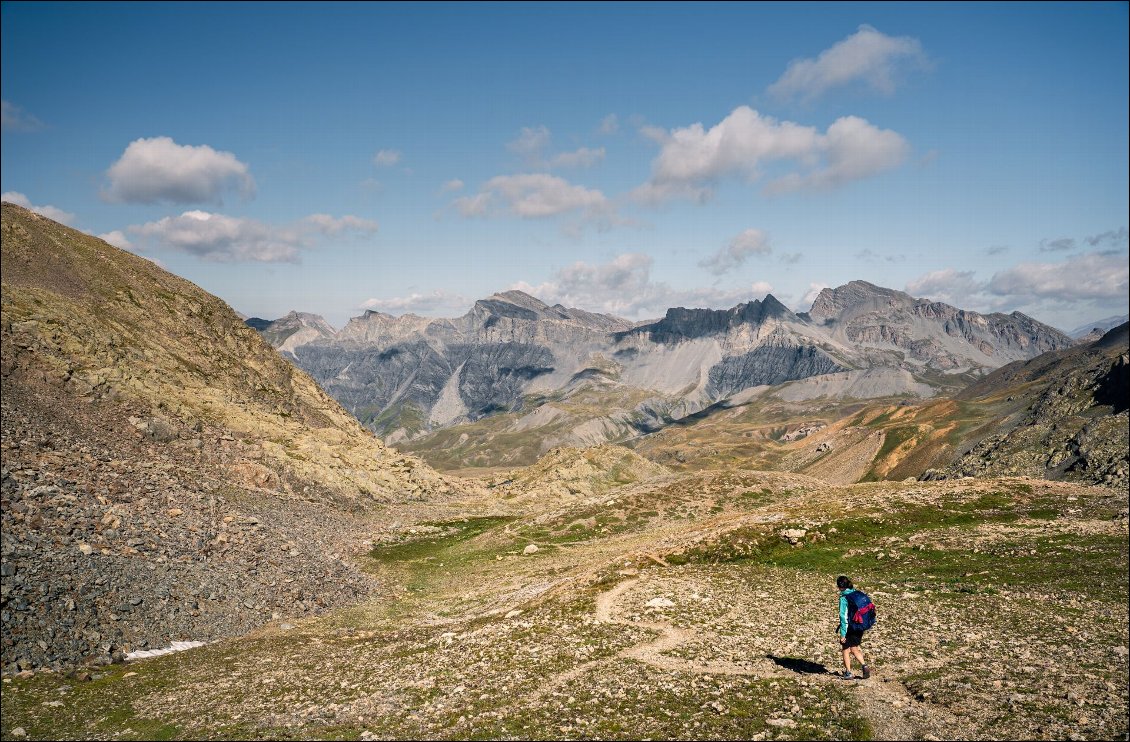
(1094, 330)
(406, 376)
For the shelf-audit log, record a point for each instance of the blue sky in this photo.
(620, 158)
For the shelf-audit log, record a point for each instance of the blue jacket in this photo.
(844, 606)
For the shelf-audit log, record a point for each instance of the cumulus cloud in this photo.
(853, 149)
(14, 118)
(867, 56)
(958, 288)
(327, 224)
(51, 212)
(477, 205)
(532, 145)
(535, 196)
(610, 124)
(228, 239)
(159, 169)
(117, 238)
(530, 142)
(814, 290)
(624, 287)
(760, 289)
(435, 301)
(1094, 275)
(581, 157)
(692, 159)
(386, 158)
(750, 242)
(451, 186)
(1090, 284)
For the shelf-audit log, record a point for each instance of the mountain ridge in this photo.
(408, 377)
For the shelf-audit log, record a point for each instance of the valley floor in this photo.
(674, 608)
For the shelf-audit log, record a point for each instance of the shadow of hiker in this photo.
(798, 665)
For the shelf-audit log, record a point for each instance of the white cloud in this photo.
(867, 57)
(581, 157)
(386, 158)
(117, 238)
(954, 287)
(759, 289)
(1091, 284)
(229, 239)
(327, 224)
(853, 150)
(14, 118)
(534, 196)
(451, 186)
(415, 302)
(1091, 276)
(692, 159)
(159, 169)
(623, 287)
(532, 144)
(610, 124)
(814, 290)
(476, 205)
(750, 242)
(51, 212)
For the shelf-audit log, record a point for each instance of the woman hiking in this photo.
(850, 638)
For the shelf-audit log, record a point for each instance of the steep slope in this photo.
(166, 474)
(1071, 422)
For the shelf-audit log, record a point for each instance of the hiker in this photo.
(851, 628)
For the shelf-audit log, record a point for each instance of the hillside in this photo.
(166, 474)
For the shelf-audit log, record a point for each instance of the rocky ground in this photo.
(145, 535)
(702, 607)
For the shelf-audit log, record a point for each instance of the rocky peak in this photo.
(832, 303)
(681, 323)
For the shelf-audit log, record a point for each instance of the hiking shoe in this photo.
(845, 675)
(866, 672)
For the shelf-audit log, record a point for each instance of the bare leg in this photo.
(847, 659)
(858, 653)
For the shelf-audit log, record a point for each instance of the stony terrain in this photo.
(166, 475)
(701, 607)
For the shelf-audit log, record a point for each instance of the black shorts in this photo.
(853, 638)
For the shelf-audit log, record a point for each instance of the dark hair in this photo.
(843, 583)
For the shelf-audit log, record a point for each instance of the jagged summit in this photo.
(682, 323)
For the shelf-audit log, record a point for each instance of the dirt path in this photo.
(889, 707)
